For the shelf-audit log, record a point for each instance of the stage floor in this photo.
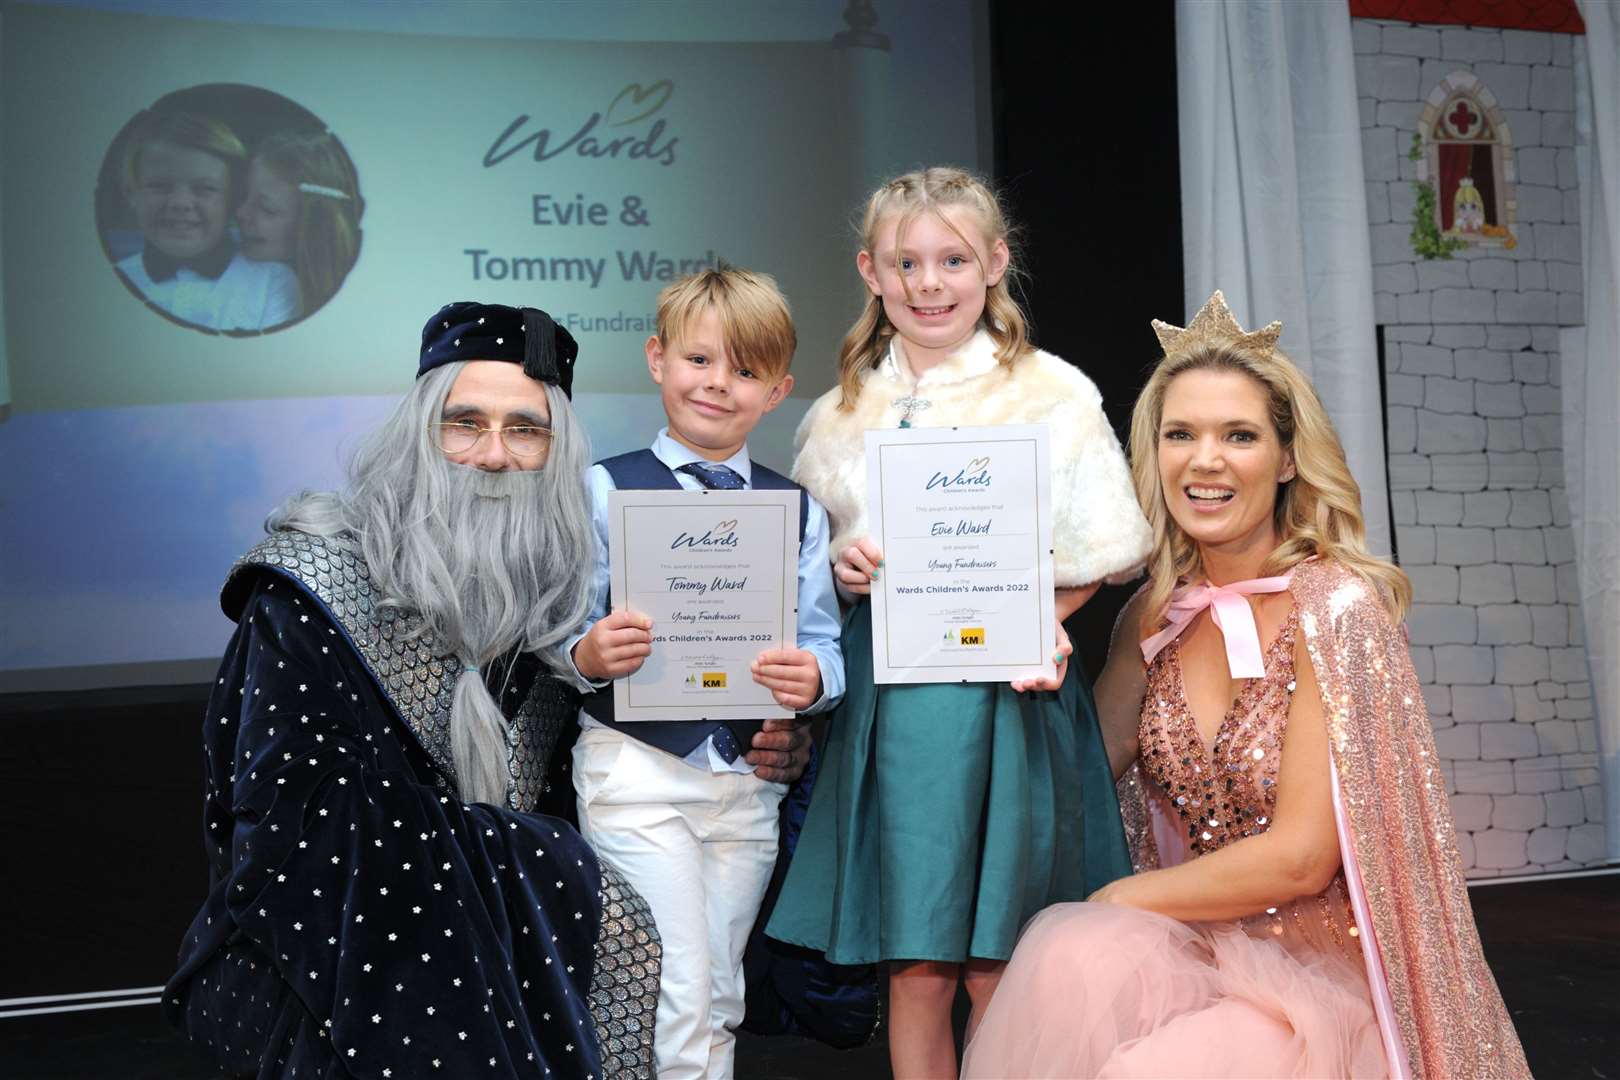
(1554, 946)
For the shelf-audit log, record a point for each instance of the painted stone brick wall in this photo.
(1476, 448)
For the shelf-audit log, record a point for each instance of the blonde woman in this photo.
(1300, 908)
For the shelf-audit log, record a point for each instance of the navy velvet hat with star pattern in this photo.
(467, 330)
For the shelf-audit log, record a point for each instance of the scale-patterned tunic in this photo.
(361, 919)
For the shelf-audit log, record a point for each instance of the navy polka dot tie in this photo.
(725, 743)
(714, 477)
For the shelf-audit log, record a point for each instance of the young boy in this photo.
(180, 171)
(674, 805)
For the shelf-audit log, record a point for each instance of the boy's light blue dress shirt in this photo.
(818, 606)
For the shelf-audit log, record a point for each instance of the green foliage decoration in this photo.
(1427, 240)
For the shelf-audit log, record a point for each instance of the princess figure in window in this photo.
(1468, 207)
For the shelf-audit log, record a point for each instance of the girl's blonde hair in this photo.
(1318, 512)
(902, 200)
(329, 209)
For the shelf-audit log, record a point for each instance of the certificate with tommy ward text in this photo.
(718, 574)
(963, 517)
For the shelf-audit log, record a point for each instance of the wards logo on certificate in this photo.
(707, 680)
(721, 537)
(968, 636)
(974, 476)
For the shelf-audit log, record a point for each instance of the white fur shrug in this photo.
(1098, 530)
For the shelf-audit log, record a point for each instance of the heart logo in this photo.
(661, 90)
(978, 464)
(726, 526)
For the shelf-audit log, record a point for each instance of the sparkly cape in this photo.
(1439, 1000)
(1438, 1007)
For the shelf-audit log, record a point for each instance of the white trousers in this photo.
(700, 847)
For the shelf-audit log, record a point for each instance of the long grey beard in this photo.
(486, 535)
(486, 531)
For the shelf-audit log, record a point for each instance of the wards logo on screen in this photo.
(601, 134)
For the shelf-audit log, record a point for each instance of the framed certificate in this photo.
(963, 516)
(718, 574)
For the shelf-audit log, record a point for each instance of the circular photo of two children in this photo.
(229, 209)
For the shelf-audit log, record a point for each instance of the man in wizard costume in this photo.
(388, 897)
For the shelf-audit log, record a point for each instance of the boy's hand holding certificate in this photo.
(963, 518)
(716, 573)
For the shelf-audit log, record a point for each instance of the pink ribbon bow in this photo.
(1232, 615)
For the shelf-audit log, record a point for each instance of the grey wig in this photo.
(490, 561)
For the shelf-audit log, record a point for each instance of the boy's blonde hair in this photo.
(1318, 512)
(188, 130)
(756, 326)
(905, 198)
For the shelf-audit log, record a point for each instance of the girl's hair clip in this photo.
(322, 189)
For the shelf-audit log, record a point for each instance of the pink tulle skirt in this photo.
(1102, 990)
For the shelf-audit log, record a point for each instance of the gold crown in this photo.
(1214, 325)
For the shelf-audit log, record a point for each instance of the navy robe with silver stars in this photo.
(361, 920)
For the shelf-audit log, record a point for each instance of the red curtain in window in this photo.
(1485, 179)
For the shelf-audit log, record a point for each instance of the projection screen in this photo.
(573, 156)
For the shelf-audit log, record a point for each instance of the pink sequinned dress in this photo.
(1112, 991)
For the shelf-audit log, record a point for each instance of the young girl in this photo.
(948, 814)
(303, 208)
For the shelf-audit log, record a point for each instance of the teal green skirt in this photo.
(946, 815)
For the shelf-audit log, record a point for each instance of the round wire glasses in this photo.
(459, 436)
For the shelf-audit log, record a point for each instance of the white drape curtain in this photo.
(1591, 384)
(1274, 205)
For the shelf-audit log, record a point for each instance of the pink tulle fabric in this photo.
(1104, 990)
(1100, 990)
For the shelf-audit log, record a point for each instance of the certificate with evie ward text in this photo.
(963, 517)
(717, 572)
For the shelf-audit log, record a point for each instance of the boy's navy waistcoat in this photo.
(641, 470)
